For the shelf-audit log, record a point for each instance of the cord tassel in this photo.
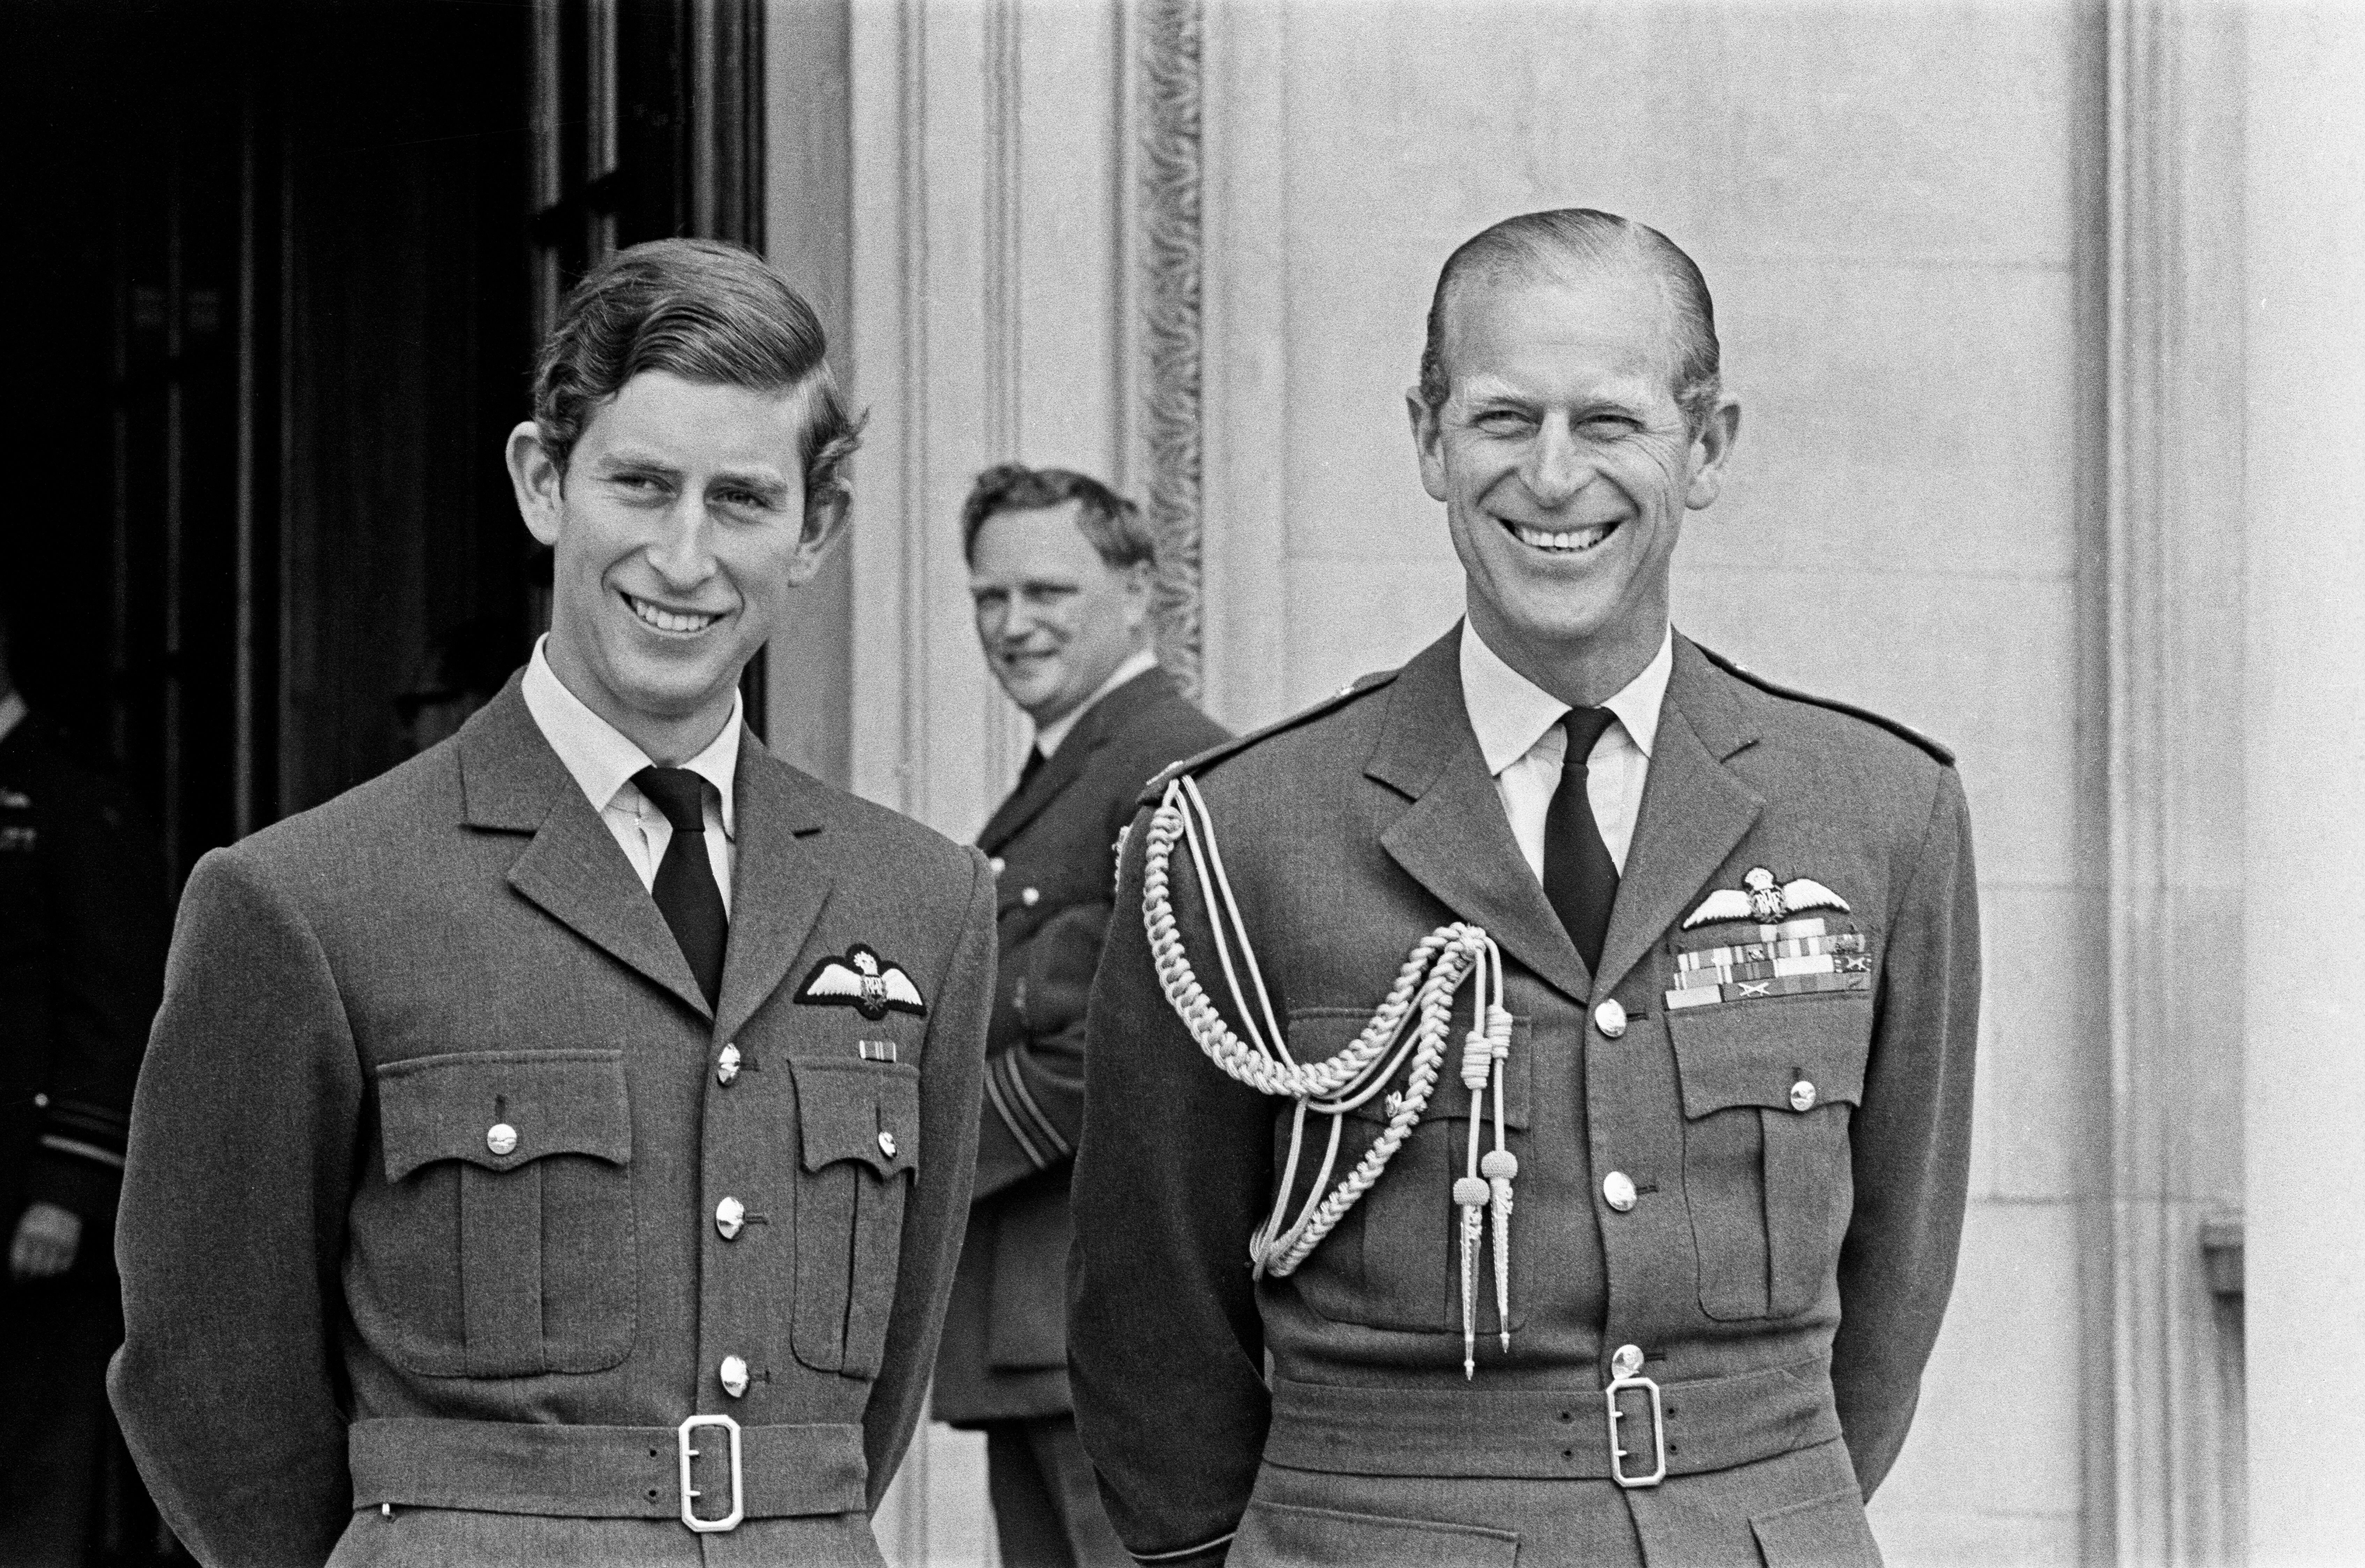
(1470, 1192)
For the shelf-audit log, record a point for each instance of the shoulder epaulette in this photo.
(1156, 788)
(1902, 732)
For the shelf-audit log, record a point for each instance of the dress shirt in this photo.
(603, 762)
(12, 712)
(1517, 723)
(1048, 736)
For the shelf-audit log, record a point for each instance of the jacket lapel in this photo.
(511, 781)
(778, 882)
(1101, 721)
(1694, 809)
(1453, 838)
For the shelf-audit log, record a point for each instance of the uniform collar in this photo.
(1510, 713)
(12, 714)
(1048, 736)
(601, 757)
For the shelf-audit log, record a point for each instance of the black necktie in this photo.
(685, 888)
(1580, 880)
(1033, 765)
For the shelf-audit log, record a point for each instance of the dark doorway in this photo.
(275, 276)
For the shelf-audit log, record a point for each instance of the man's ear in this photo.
(1427, 443)
(537, 480)
(1709, 449)
(1141, 598)
(825, 516)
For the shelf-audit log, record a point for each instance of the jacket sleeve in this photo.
(232, 1223)
(103, 886)
(1911, 1145)
(1034, 1108)
(937, 1212)
(1165, 1347)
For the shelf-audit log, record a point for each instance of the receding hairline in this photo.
(1564, 263)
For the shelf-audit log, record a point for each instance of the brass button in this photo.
(1803, 1096)
(729, 1216)
(501, 1137)
(887, 1145)
(1627, 1361)
(1618, 1188)
(997, 863)
(1611, 1018)
(1030, 897)
(733, 1372)
(726, 1064)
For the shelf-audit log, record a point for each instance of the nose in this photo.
(683, 552)
(1558, 466)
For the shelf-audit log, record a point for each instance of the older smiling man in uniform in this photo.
(1059, 573)
(555, 1150)
(1617, 1226)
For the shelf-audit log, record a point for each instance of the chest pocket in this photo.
(506, 1246)
(859, 1123)
(1768, 1087)
(1395, 1261)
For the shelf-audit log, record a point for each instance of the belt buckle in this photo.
(1618, 1453)
(690, 1496)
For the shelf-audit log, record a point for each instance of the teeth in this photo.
(1575, 540)
(666, 620)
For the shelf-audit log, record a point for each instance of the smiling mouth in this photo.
(660, 619)
(1569, 541)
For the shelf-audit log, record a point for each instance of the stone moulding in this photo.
(1171, 319)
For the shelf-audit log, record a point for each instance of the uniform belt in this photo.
(603, 1472)
(1525, 1433)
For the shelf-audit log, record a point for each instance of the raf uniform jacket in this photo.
(449, 1198)
(1054, 842)
(82, 956)
(1762, 1196)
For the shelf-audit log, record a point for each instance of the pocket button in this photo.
(501, 1138)
(1803, 1096)
(733, 1372)
(887, 1145)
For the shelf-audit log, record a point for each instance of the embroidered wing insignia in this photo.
(860, 978)
(1760, 897)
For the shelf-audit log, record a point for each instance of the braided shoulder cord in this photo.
(1414, 1020)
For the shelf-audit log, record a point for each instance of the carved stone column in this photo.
(2166, 1486)
(1169, 241)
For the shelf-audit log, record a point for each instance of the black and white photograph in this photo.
(1203, 783)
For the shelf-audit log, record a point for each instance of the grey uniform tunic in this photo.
(449, 1199)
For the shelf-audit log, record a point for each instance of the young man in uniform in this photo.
(1061, 573)
(556, 1150)
(1650, 1266)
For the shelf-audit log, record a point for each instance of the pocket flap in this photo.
(867, 1111)
(1318, 1033)
(1825, 1532)
(447, 1107)
(1761, 1052)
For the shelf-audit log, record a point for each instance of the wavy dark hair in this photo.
(704, 311)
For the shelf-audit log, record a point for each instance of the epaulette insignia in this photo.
(1902, 732)
(1156, 788)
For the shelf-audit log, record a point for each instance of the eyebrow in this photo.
(1486, 391)
(763, 482)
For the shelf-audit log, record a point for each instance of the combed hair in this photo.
(1583, 237)
(1114, 525)
(707, 312)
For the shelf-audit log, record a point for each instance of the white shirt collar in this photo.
(12, 712)
(1511, 714)
(602, 758)
(1048, 736)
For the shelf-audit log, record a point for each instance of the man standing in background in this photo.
(1060, 571)
(82, 959)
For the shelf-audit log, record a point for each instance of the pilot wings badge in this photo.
(1764, 900)
(859, 979)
